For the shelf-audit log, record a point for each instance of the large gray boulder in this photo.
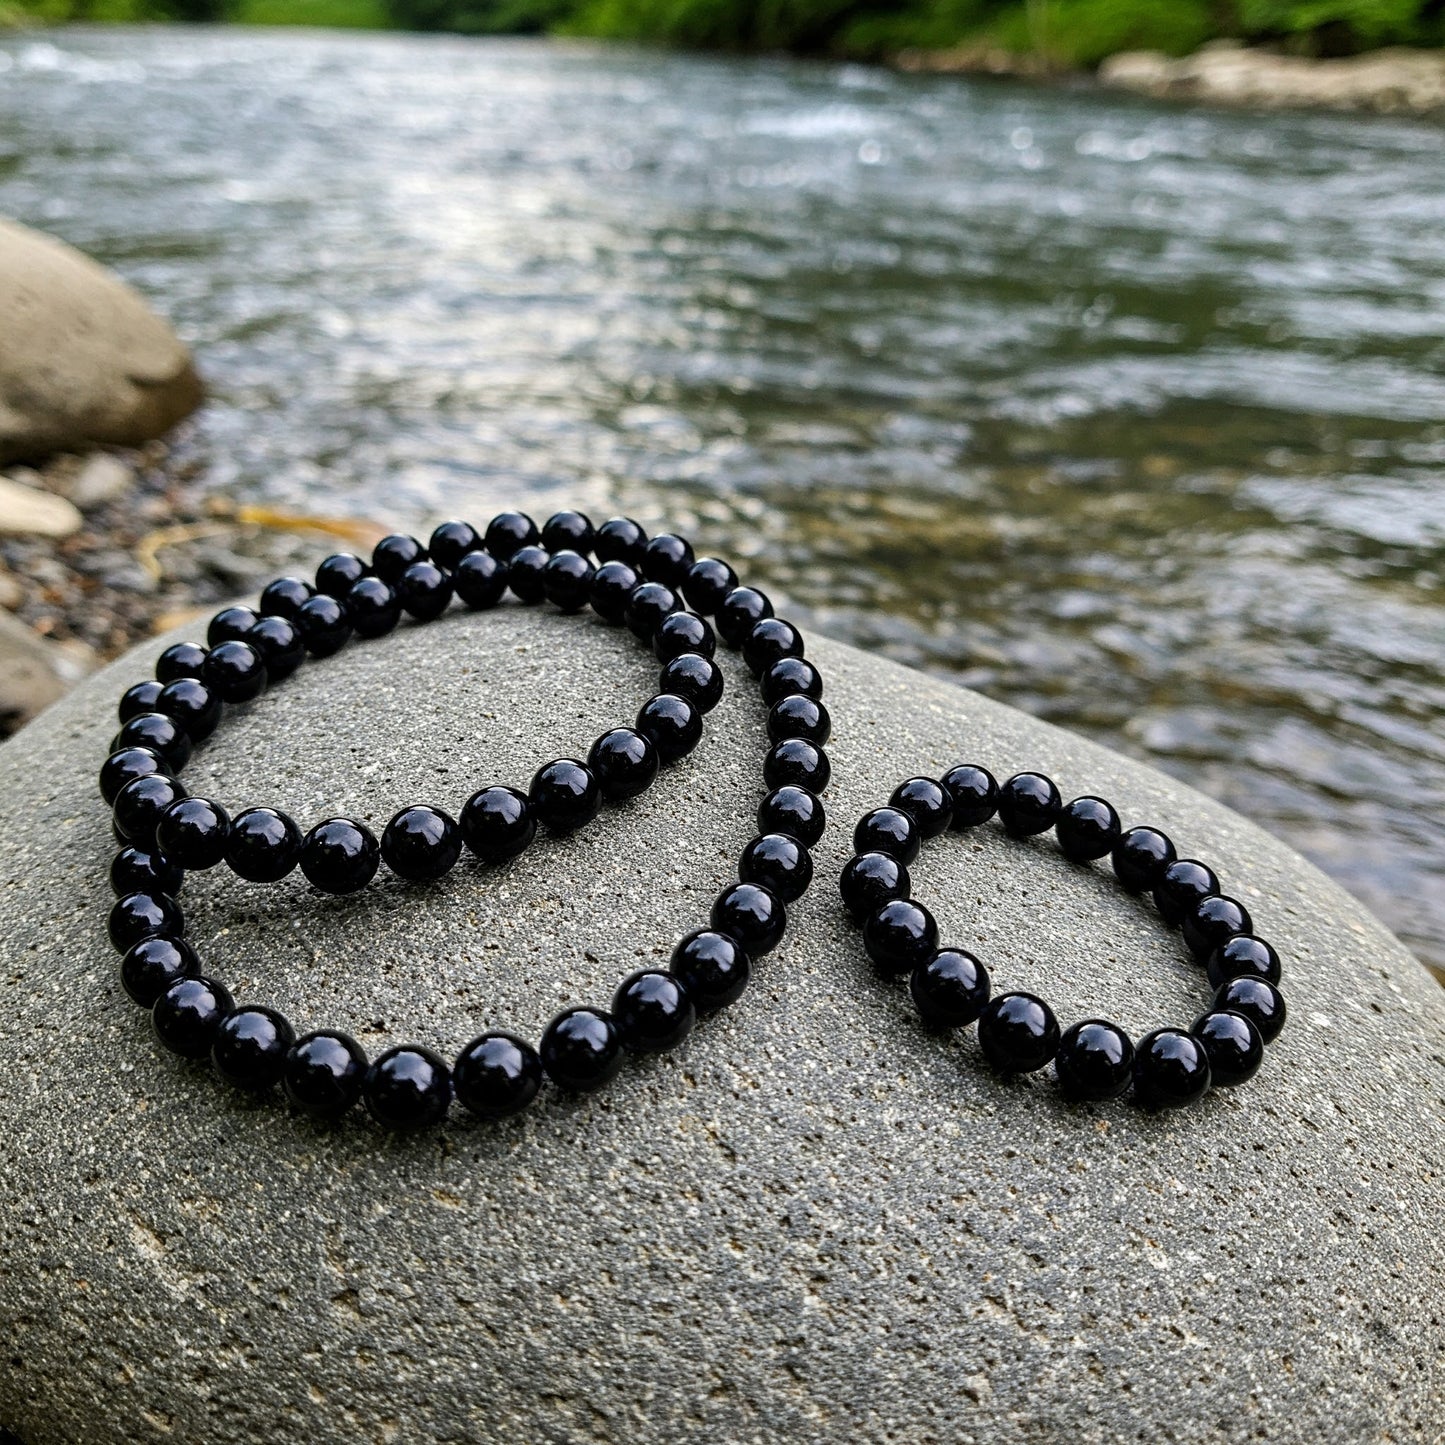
(812, 1222)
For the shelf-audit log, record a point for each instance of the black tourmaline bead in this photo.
(284, 596)
(714, 969)
(623, 762)
(324, 625)
(180, 659)
(323, 1073)
(1212, 922)
(795, 811)
(1088, 828)
(235, 672)
(497, 823)
(569, 532)
(407, 1088)
(797, 761)
(973, 792)
(424, 591)
(125, 766)
(950, 989)
(373, 607)
(1018, 1033)
(1234, 1047)
(870, 880)
(752, 914)
(667, 558)
(509, 532)
(780, 863)
(620, 539)
(926, 802)
(134, 871)
(394, 554)
(612, 585)
(567, 580)
(526, 574)
(264, 845)
(339, 855)
(739, 612)
(282, 649)
(1258, 1000)
(339, 573)
(451, 541)
(151, 966)
(1028, 803)
(249, 1047)
(682, 632)
(192, 833)
(1181, 885)
(580, 1049)
(697, 678)
(161, 734)
(769, 641)
(900, 935)
(480, 580)
(671, 724)
(230, 624)
(652, 1011)
(140, 698)
(888, 830)
(1244, 955)
(139, 805)
(709, 580)
(421, 843)
(1171, 1069)
(497, 1074)
(1095, 1061)
(647, 605)
(143, 915)
(1140, 858)
(186, 1016)
(564, 795)
(790, 677)
(800, 717)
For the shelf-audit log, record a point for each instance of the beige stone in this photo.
(33, 672)
(27, 512)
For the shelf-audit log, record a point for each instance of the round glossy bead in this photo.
(373, 607)
(569, 532)
(192, 833)
(612, 585)
(421, 843)
(324, 625)
(339, 573)
(284, 596)
(620, 539)
(1018, 1033)
(323, 1073)
(795, 811)
(424, 591)
(235, 672)
(180, 659)
(134, 871)
(125, 766)
(900, 935)
(624, 763)
(230, 624)
(1171, 1069)
(697, 678)
(509, 532)
(142, 697)
(739, 612)
(950, 989)
(926, 802)
(799, 762)
(564, 795)
(263, 846)
(339, 855)
(682, 632)
(667, 558)
(752, 914)
(1088, 828)
(1140, 858)
(1181, 885)
(249, 1047)
(581, 1050)
(888, 830)
(1028, 803)
(1233, 1045)
(158, 732)
(497, 1074)
(870, 880)
(1095, 1061)
(769, 641)
(407, 1088)
(394, 554)
(714, 969)
(567, 580)
(671, 724)
(790, 677)
(709, 580)
(480, 580)
(780, 863)
(497, 823)
(451, 541)
(1212, 922)
(647, 605)
(526, 574)
(279, 641)
(798, 716)
(652, 1012)
(1241, 956)
(186, 1016)
(139, 805)
(151, 966)
(973, 791)
(1258, 1000)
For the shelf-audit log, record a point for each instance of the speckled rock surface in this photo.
(813, 1222)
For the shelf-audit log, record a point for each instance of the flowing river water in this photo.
(1130, 415)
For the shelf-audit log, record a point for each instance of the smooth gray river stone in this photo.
(814, 1221)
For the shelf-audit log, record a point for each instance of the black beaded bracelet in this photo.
(634, 580)
(1018, 1032)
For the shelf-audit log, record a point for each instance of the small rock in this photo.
(12, 591)
(100, 478)
(24, 511)
(33, 672)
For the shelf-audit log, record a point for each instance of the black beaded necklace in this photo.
(626, 578)
(1018, 1032)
